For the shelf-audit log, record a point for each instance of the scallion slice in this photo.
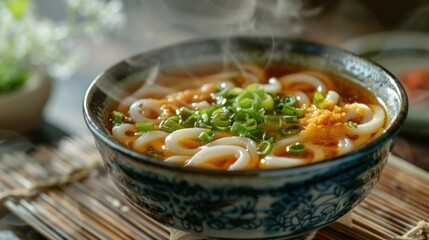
(296, 148)
(145, 126)
(273, 121)
(235, 92)
(290, 119)
(289, 100)
(247, 100)
(206, 136)
(171, 124)
(184, 113)
(118, 117)
(351, 124)
(264, 148)
(268, 102)
(238, 129)
(292, 130)
(221, 121)
(289, 110)
(251, 124)
(318, 99)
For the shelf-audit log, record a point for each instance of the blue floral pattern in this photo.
(291, 208)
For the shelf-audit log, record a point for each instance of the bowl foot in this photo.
(180, 235)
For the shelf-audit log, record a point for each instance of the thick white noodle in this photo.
(332, 96)
(304, 78)
(139, 109)
(120, 131)
(318, 153)
(272, 161)
(219, 152)
(173, 142)
(345, 145)
(179, 159)
(243, 142)
(273, 86)
(352, 111)
(302, 97)
(149, 137)
(373, 125)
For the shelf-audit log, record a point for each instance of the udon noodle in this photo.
(253, 119)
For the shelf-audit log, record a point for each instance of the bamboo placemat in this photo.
(92, 208)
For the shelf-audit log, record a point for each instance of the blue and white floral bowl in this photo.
(281, 203)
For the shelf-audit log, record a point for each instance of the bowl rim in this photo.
(387, 134)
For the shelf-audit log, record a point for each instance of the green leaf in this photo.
(11, 77)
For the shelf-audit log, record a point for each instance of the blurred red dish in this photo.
(416, 83)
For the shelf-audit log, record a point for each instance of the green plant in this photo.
(29, 38)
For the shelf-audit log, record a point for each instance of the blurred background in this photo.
(79, 39)
(151, 24)
(395, 34)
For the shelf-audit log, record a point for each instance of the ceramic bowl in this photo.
(288, 203)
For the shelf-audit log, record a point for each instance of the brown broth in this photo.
(187, 79)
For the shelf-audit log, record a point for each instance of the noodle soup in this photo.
(249, 118)
(279, 118)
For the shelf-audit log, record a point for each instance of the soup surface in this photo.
(247, 118)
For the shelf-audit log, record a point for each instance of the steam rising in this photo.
(165, 22)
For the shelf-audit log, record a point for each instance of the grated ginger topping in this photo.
(323, 126)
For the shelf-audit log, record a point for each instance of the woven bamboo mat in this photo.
(92, 208)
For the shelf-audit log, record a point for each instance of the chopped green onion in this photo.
(290, 119)
(117, 117)
(238, 129)
(256, 135)
(171, 124)
(273, 121)
(289, 110)
(289, 100)
(217, 110)
(257, 88)
(235, 92)
(191, 120)
(244, 115)
(351, 124)
(248, 101)
(241, 117)
(221, 122)
(203, 125)
(251, 124)
(206, 136)
(253, 87)
(265, 148)
(318, 99)
(184, 113)
(268, 102)
(296, 148)
(145, 126)
(153, 153)
(292, 130)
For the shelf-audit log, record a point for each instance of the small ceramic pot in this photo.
(288, 203)
(22, 109)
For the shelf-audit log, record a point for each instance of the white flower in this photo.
(27, 38)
